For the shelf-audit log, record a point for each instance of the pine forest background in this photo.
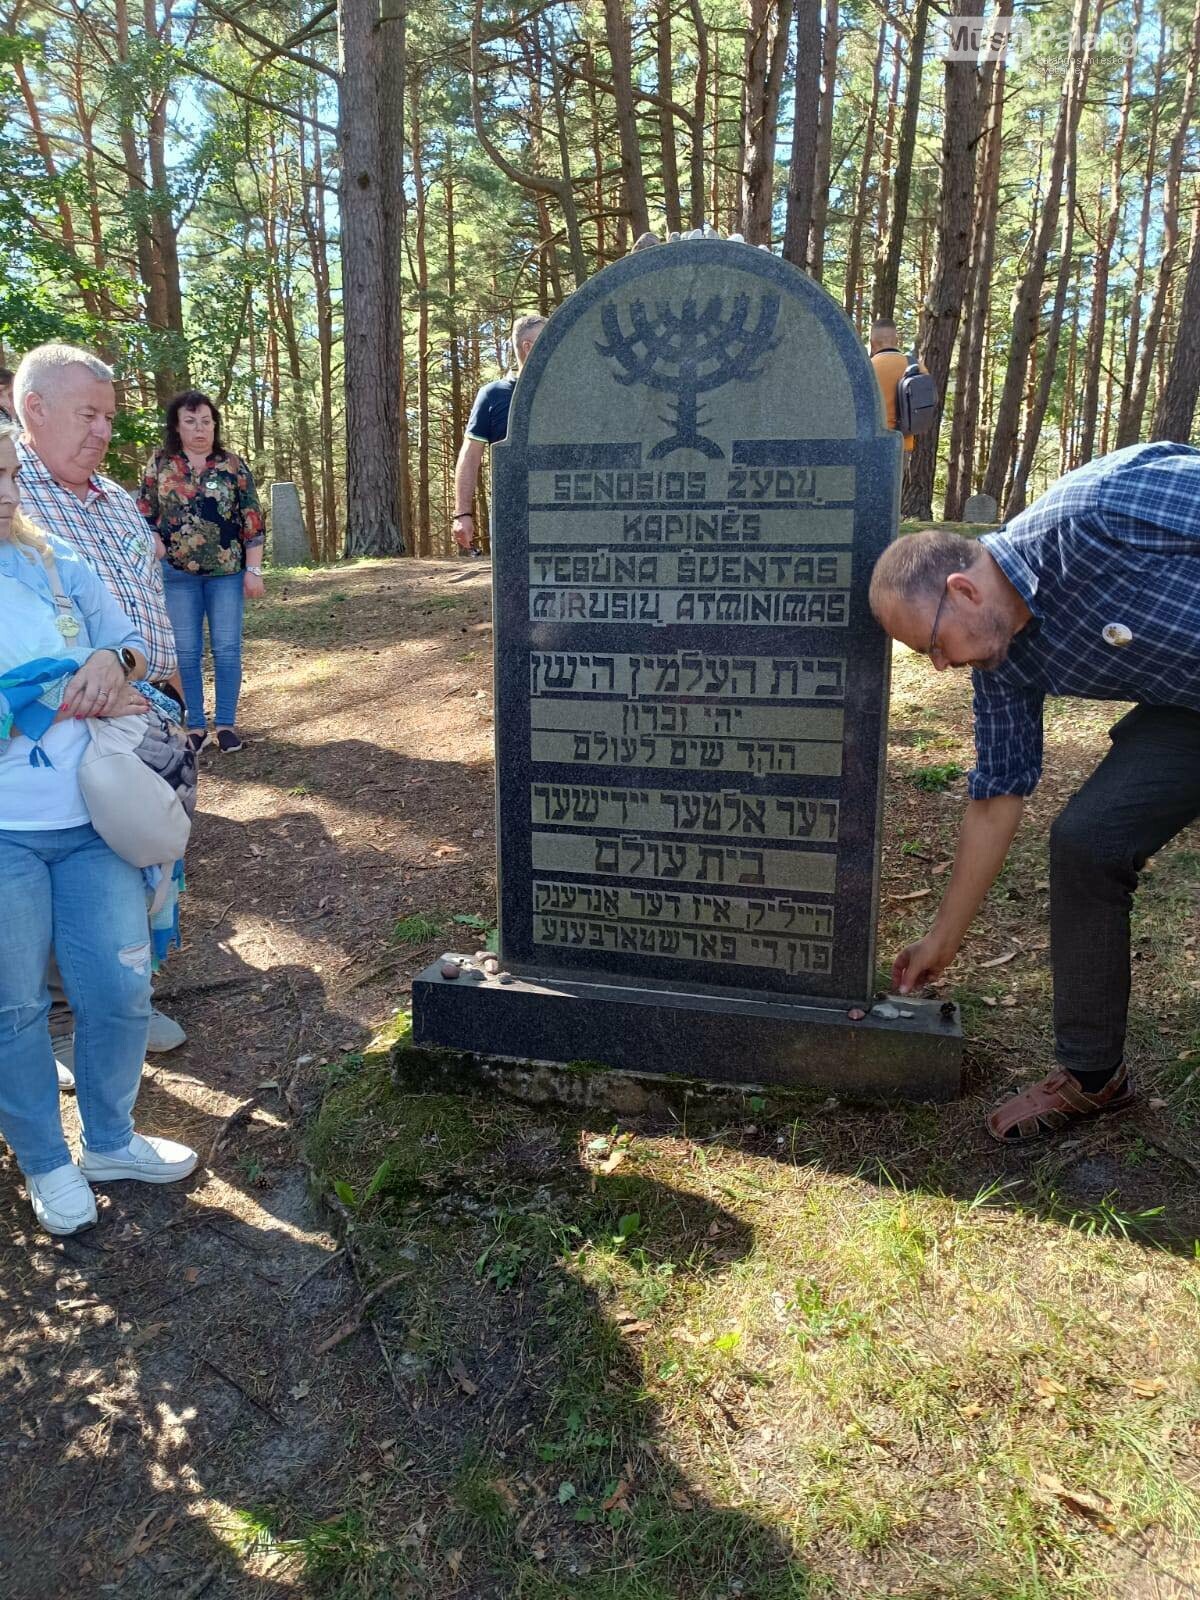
(328, 214)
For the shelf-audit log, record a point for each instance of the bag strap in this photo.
(51, 567)
(63, 604)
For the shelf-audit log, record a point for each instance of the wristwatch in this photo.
(127, 659)
(257, 571)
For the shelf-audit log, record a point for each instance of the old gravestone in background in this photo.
(980, 508)
(691, 692)
(289, 541)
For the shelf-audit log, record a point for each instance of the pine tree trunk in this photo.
(1131, 414)
(1102, 266)
(154, 289)
(562, 187)
(597, 188)
(1109, 386)
(714, 194)
(313, 215)
(281, 267)
(666, 118)
(890, 252)
(1177, 401)
(1133, 305)
(699, 104)
(258, 432)
(1069, 418)
(802, 169)
(620, 51)
(45, 150)
(884, 187)
(952, 259)
(393, 72)
(820, 204)
(1050, 341)
(767, 25)
(370, 366)
(163, 227)
(972, 343)
(858, 220)
(1028, 297)
(424, 532)
(457, 417)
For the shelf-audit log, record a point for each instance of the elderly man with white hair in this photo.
(66, 402)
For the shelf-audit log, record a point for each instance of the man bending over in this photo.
(1094, 591)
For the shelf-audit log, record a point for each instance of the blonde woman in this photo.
(61, 661)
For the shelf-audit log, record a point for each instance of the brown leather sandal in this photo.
(1056, 1103)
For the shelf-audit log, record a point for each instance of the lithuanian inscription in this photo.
(690, 708)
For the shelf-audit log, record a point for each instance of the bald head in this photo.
(945, 596)
(913, 570)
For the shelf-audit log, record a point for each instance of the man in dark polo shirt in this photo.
(1094, 591)
(487, 424)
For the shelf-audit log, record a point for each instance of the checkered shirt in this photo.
(111, 535)
(1108, 561)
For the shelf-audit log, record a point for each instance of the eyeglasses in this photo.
(935, 651)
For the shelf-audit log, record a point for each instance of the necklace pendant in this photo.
(68, 626)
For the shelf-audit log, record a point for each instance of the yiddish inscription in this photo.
(691, 708)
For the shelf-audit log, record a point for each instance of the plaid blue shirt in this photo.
(1108, 561)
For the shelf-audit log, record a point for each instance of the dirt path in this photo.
(156, 1373)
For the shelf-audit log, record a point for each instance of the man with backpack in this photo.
(909, 394)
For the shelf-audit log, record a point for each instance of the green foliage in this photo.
(238, 191)
(417, 929)
(936, 778)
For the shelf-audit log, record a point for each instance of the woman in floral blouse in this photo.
(200, 500)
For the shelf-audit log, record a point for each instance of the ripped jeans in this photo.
(66, 887)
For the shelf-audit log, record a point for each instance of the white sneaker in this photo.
(62, 1201)
(146, 1159)
(165, 1034)
(64, 1060)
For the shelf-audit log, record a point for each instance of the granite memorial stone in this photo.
(289, 541)
(980, 508)
(691, 692)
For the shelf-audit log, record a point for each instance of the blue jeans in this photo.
(190, 598)
(66, 887)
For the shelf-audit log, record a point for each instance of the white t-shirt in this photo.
(37, 797)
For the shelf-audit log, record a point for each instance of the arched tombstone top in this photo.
(660, 340)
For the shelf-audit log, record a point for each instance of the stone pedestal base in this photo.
(718, 1037)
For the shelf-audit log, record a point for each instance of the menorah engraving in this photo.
(688, 353)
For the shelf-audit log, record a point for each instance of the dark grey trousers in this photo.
(1144, 792)
(62, 1020)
